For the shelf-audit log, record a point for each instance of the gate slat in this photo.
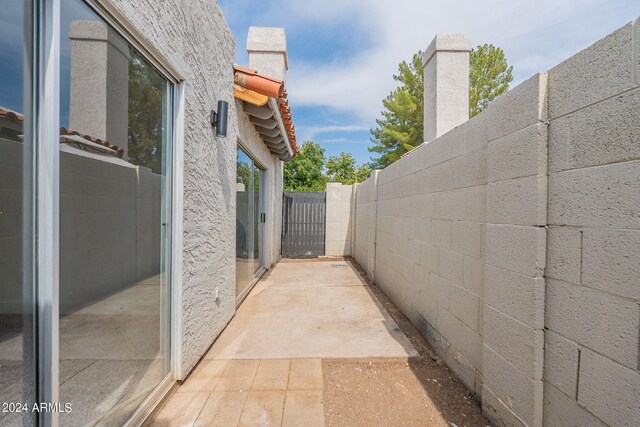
(303, 224)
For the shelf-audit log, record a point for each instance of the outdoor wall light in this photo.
(219, 118)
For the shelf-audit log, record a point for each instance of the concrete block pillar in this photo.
(267, 48)
(446, 84)
(99, 93)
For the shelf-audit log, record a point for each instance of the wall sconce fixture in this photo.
(219, 118)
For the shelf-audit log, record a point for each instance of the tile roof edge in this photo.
(251, 80)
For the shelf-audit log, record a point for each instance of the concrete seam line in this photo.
(578, 373)
(600, 101)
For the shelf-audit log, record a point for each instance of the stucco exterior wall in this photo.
(194, 38)
(512, 242)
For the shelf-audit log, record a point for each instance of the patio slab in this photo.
(311, 310)
(314, 345)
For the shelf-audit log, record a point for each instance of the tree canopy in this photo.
(305, 172)
(310, 170)
(401, 127)
(147, 97)
(342, 168)
(489, 76)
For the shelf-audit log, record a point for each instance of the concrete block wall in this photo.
(110, 228)
(364, 238)
(513, 243)
(431, 211)
(593, 262)
(460, 248)
(339, 219)
(515, 257)
(11, 223)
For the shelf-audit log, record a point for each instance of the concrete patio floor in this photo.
(266, 367)
(308, 333)
(307, 310)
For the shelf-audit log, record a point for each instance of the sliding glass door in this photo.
(114, 221)
(85, 224)
(249, 220)
(18, 345)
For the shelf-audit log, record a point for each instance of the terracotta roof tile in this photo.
(11, 114)
(251, 80)
(265, 85)
(119, 152)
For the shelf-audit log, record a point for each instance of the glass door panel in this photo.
(244, 221)
(17, 347)
(257, 217)
(249, 221)
(114, 218)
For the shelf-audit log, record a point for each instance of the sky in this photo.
(343, 53)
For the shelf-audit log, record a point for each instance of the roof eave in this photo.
(273, 104)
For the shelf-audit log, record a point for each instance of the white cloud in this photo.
(535, 36)
(310, 132)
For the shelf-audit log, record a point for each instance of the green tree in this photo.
(401, 127)
(342, 168)
(489, 76)
(363, 172)
(243, 174)
(305, 171)
(147, 96)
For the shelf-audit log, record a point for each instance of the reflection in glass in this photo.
(249, 184)
(244, 221)
(17, 356)
(257, 219)
(113, 182)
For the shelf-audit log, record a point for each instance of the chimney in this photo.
(267, 48)
(99, 93)
(446, 84)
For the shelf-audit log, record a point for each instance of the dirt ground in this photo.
(419, 392)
